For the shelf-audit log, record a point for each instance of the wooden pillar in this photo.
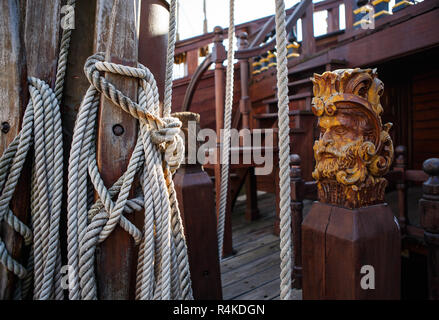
(13, 101)
(154, 24)
(244, 103)
(349, 15)
(192, 183)
(192, 61)
(218, 56)
(333, 19)
(429, 205)
(117, 255)
(251, 211)
(308, 41)
(351, 242)
(297, 217)
(401, 187)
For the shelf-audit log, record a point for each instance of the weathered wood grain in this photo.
(249, 269)
(116, 260)
(13, 99)
(42, 32)
(252, 282)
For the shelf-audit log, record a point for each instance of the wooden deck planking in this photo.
(253, 272)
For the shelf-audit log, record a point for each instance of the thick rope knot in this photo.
(165, 132)
(170, 142)
(163, 271)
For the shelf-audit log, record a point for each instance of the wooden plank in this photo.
(242, 272)
(76, 84)
(400, 39)
(258, 239)
(102, 24)
(252, 282)
(13, 100)
(265, 292)
(250, 256)
(242, 233)
(42, 47)
(116, 260)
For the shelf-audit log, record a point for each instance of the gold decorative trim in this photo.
(383, 12)
(402, 3)
(375, 2)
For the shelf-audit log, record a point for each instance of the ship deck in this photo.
(252, 273)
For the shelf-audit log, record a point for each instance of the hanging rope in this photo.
(227, 125)
(163, 268)
(163, 271)
(41, 128)
(284, 152)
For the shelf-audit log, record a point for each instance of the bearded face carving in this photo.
(354, 150)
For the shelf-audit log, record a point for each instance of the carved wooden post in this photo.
(192, 184)
(218, 56)
(251, 211)
(429, 205)
(297, 217)
(350, 239)
(401, 166)
(13, 101)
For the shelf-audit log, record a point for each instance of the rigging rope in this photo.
(41, 128)
(163, 268)
(225, 167)
(284, 151)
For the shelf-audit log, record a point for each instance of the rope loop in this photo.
(165, 132)
(163, 270)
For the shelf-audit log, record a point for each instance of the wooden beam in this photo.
(13, 100)
(116, 260)
(42, 47)
(154, 20)
(308, 41)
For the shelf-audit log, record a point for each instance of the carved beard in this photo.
(332, 162)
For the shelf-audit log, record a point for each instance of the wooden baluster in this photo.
(192, 61)
(297, 185)
(191, 184)
(218, 57)
(333, 19)
(117, 255)
(349, 15)
(401, 165)
(252, 211)
(244, 103)
(308, 41)
(429, 208)
(13, 101)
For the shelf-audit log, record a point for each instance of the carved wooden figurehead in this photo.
(354, 150)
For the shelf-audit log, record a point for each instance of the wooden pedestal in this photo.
(195, 199)
(337, 243)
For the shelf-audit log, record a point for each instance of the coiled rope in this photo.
(163, 268)
(284, 152)
(226, 135)
(41, 128)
